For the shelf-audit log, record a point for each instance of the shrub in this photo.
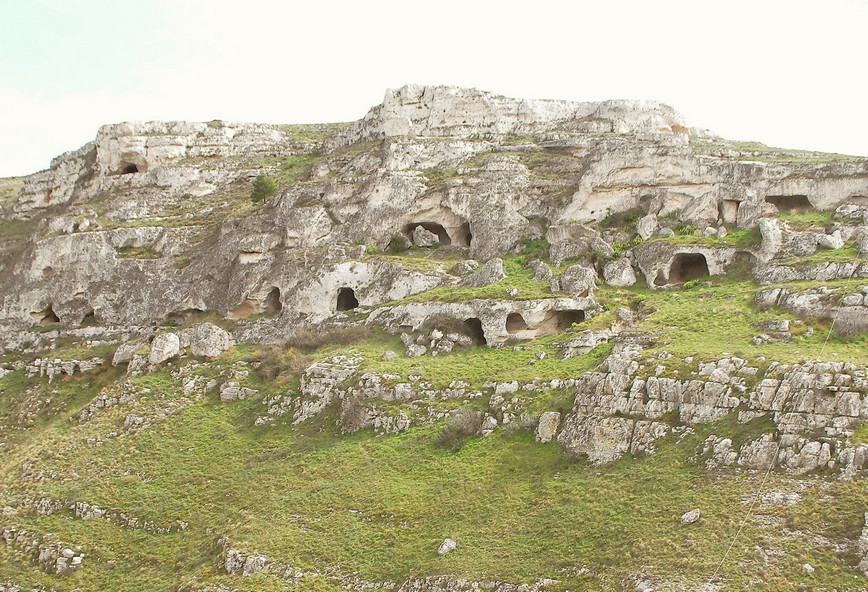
(263, 187)
(310, 339)
(278, 363)
(398, 243)
(461, 426)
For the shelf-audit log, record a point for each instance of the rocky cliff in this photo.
(636, 296)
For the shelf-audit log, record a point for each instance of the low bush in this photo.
(310, 339)
(461, 426)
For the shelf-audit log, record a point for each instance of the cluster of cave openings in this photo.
(272, 301)
(346, 300)
(790, 203)
(515, 323)
(686, 267)
(460, 236)
(45, 316)
(473, 326)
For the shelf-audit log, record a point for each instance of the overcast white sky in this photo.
(787, 73)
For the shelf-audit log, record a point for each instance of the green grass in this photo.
(845, 254)
(806, 220)
(762, 153)
(313, 133)
(518, 277)
(379, 507)
(9, 188)
(138, 253)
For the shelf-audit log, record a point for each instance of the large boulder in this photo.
(577, 280)
(164, 347)
(490, 273)
(209, 341)
(548, 426)
(619, 273)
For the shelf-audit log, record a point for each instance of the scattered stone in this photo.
(690, 517)
(447, 546)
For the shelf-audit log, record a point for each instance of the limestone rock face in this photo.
(428, 162)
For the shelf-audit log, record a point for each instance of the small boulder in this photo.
(424, 238)
(125, 352)
(447, 546)
(690, 517)
(548, 426)
(465, 267)
(647, 226)
(164, 347)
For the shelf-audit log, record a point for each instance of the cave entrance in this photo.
(790, 203)
(728, 211)
(462, 236)
(89, 319)
(130, 168)
(346, 300)
(686, 267)
(180, 317)
(560, 320)
(45, 317)
(433, 227)
(515, 323)
(272, 301)
(474, 327)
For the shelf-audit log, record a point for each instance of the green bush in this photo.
(398, 243)
(263, 187)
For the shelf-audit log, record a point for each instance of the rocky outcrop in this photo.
(619, 411)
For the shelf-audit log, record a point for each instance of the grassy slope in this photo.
(379, 506)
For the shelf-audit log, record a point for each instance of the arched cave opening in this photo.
(130, 168)
(743, 258)
(515, 323)
(346, 300)
(179, 317)
(560, 320)
(474, 328)
(686, 267)
(45, 316)
(272, 301)
(89, 319)
(463, 236)
(567, 318)
(442, 236)
(790, 203)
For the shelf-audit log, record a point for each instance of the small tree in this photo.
(263, 187)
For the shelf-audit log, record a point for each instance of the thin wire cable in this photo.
(774, 458)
